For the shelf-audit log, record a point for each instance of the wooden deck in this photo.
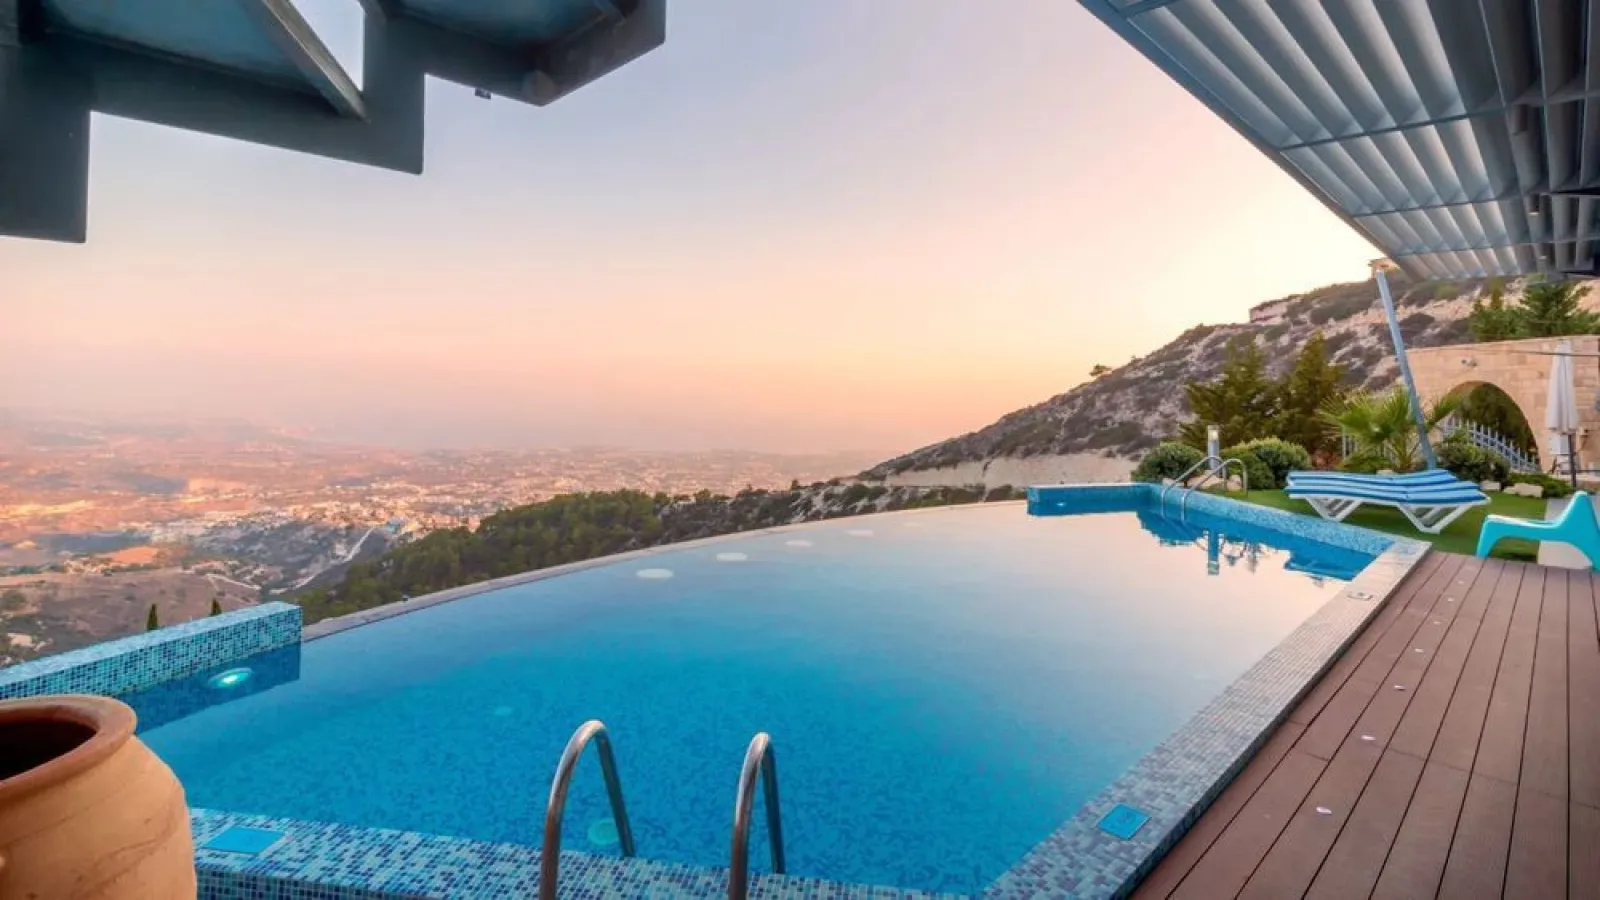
(1453, 751)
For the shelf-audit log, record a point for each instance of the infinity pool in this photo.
(943, 689)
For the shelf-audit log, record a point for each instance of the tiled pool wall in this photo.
(143, 661)
(316, 861)
(1161, 795)
(1170, 787)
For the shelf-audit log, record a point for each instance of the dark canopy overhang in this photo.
(256, 71)
(1460, 136)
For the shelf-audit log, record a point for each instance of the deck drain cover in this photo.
(1123, 821)
(1359, 595)
(603, 832)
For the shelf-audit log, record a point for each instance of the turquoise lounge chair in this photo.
(1576, 525)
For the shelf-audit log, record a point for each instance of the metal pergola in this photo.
(1460, 136)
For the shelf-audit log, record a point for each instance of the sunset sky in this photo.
(804, 226)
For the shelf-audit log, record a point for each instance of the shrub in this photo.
(1553, 487)
(1472, 463)
(1167, 460)
(1364, 464)
(1260, 474)
(1280, 456)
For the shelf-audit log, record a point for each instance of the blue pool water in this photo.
(943, 689)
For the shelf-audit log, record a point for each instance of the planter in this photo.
(86, 810)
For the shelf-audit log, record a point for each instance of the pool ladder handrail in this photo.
(759, 760)
(1244, 481)
(1217, 465)
(550, 852)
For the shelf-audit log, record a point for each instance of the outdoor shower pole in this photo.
(1378, 267)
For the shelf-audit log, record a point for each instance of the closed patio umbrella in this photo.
(1561, 414)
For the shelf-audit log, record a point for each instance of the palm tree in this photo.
(1382, 426)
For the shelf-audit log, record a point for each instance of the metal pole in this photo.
(1405, 364)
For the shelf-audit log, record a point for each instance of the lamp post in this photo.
(1213, 443)
(1379, 266)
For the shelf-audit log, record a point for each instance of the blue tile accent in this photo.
(243, 839)
(1123, 821)
(144, 660)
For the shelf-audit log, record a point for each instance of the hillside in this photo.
(1097, 428)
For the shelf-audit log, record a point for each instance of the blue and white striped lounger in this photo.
(1431, 503)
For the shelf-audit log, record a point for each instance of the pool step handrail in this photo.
(550, 851)
(1186, 473)
(1244, 481)
(759, 761)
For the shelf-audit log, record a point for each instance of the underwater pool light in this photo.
(230, 679)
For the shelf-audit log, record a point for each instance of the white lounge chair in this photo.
(1430, 501)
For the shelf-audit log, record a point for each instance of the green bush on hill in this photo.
(1470, 462)
(1280, 456)
(1260, 474)
(1168, 460)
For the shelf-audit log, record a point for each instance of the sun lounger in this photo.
(1431, 503)
(1576, 525)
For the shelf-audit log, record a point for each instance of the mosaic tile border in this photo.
(1176, 781)
(145, 660)
(319, 861)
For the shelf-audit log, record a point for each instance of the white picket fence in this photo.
(1480, 436)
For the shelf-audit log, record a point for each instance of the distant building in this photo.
(1270, 312)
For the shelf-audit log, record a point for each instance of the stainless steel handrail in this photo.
(1179, 480)
(550, 853)
(760, 760)
(1244, 479)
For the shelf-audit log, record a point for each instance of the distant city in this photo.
(100, 519)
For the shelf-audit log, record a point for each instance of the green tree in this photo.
(216, 606)
(1490, 407)
(1098, 370)
(12, 600)
(1382, 427)
(1310, 387)
(1554, 309)
(1492, 321)
(152, 621)
(1240, 401)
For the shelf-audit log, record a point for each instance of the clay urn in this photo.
(86, 810)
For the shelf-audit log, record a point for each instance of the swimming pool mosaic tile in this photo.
(145, 660)
(319, 861)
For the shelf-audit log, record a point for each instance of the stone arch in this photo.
(1522, 370)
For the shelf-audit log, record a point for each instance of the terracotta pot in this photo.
(86, 810)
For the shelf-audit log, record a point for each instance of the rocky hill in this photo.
(1097, 429)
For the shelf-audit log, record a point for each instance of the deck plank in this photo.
(1356, 860)
(1500, 749)
(1480, 778)
(1293, 861)
(1221, 813)
(1457, 741)
(1583, 674)
(1319, 695)
(1416, 862)
(1544, 747)
(1583, 861)
(1477, 863)
(1232, 858)
(1425, 715)
(1537, 863)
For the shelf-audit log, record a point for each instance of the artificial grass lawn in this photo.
(1460, 537)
